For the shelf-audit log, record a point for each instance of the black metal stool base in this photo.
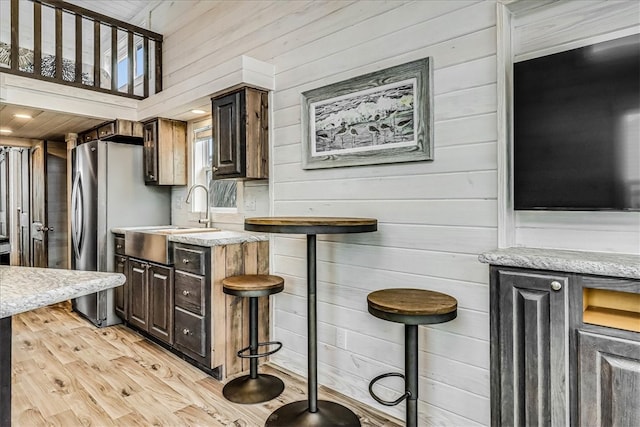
(253, 390)
(329, 414)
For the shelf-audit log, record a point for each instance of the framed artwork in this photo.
(381, 117)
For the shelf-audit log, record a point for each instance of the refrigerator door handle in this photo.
(77, 214)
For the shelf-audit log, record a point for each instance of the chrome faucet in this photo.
(206, 220)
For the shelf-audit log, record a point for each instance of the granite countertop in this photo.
(597, 263)
(206, 238)
(218, 238)
(27, 288)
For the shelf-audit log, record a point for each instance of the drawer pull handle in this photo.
(556, 286)
(118, 246)
(185, 331)
(185, 293)
(184, 260)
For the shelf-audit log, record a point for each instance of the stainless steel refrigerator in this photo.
(108, 191)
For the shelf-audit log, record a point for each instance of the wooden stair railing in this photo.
(55, 68)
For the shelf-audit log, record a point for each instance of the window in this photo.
(123, 69)
(202, 151)
(123, 66)
(139, 61)
(223, 192)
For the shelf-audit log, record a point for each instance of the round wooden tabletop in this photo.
(417, 305)
(310, 225)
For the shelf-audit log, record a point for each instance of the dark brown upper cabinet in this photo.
(165, 152)
(119, 130)
(241, 134)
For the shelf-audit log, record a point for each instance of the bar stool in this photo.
(253, 388)
(412, 307)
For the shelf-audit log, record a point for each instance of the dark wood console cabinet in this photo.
(551, 363)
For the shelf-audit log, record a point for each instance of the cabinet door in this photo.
(138, 293)
(161, 302)
(121, 293)
(532, 356)
(150, 152)
(609, 378)
(228, 141)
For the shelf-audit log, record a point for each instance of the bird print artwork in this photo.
(374, 131)
(385, 128)
(340, 132)
(367, 119)
(404, 124)
(353, 133)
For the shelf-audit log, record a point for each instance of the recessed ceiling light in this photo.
(22, 116)
(5, 131)
(198, 111)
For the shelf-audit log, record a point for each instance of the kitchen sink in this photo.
(152, 244)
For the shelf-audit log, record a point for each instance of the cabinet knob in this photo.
(556, 286)
(118, 246)
(186, 331)
(185, 293)
(184, 260)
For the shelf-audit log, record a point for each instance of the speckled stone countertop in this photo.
(27, 288)
(597, 263)
(218, 238)
(206, 238)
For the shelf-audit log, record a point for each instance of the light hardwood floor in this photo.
(68, 373)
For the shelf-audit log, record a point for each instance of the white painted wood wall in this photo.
(434, 217)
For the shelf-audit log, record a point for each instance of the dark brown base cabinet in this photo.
(183, 308)
(192, 302)
(549, 366)
(121, 293)
(151, 298)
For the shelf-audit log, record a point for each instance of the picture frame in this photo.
(381, 117)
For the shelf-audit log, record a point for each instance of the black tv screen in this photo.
(577, 128)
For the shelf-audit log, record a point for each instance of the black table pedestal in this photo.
(328, 414)
(312, 412)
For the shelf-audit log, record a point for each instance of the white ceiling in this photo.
(43, 124)
(124, 10)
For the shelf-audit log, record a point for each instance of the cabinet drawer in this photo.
(92, 135)
(189, 259)
(190, 292)
(106, 130)
(190, 333)
(118, 245)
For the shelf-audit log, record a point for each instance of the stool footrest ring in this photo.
(260, 344)
(406, 394)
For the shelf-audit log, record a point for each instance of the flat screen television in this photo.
(576, 139)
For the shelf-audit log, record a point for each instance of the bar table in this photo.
(312, 412)
(26, 288)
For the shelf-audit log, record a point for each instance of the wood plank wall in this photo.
(435, 217)
(549, 29)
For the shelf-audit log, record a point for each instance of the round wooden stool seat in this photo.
(412, 306)
(252, 285)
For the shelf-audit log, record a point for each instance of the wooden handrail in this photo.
(64, 67)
